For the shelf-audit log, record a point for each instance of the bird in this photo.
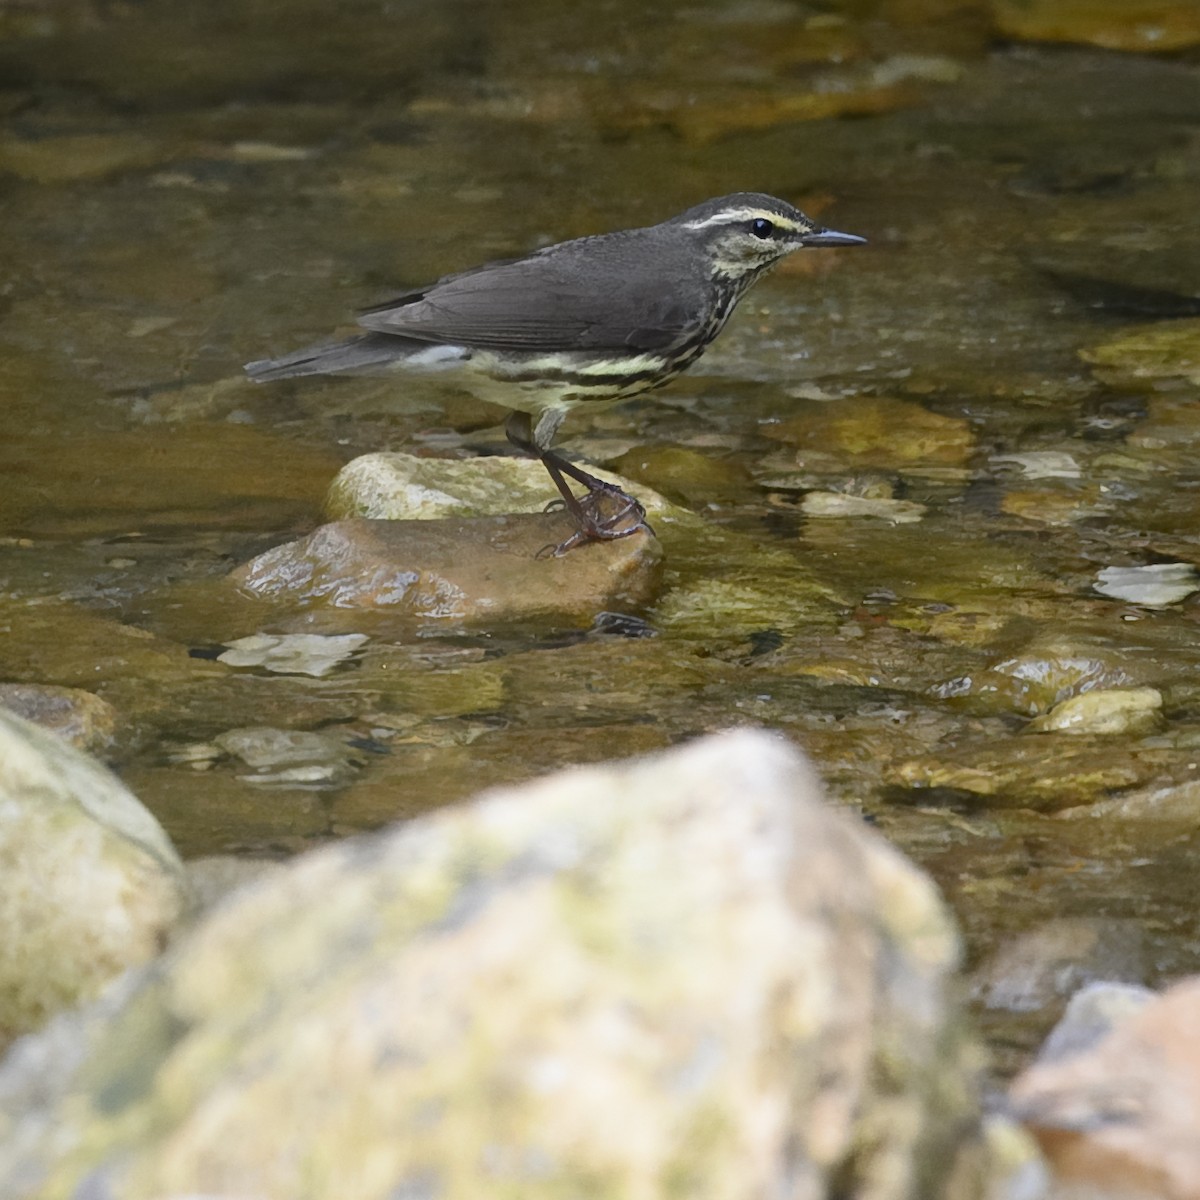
(589, 321)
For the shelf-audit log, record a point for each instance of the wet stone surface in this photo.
(453, 572)
(930, 509)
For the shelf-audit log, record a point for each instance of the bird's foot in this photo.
(592, 504)
(625, 515)
(604, 514)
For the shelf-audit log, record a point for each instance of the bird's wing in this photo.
(586, 297)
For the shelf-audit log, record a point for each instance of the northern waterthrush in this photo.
(593, 320)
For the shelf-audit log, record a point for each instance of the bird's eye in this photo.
(761, 227)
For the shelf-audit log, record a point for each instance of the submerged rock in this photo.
(1057, 504)
(699, 476)
(679, 975)
(458, 571)
(1135, 25)
(79, 717)
(877, 431)
(1061, 662)
(1145, 354)
(839, 504)
(89, 883)
(59, 642)
(1042, 464)
(718, 111)
(287, 756)
(1111, 711)
(1037, 773)
(70, 158)
(292, 653)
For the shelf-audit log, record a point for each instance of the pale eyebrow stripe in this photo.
(730, 215)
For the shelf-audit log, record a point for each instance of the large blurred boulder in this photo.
(676, 976)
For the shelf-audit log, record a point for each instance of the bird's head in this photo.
(749, 232)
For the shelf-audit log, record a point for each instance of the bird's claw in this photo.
(597, 526)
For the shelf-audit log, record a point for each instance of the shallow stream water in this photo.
(1010, 369)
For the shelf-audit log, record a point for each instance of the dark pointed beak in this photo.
(830, 237)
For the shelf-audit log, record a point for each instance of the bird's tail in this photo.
(366, 354)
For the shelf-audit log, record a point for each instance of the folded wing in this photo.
(546, 303)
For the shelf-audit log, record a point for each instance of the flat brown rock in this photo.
(466, 570)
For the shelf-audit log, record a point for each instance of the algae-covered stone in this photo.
(447, 760)
(71, 157)
(1055, 665)
(871, 654)
(1135, 25)
(52, 641)
(1157, 585)
(391, 486)
(457, 571)
(1036, 773)
(697, 476)
(876, 432)
(1148, 353)
(721, 111)
(1108, 711)
(89, 883)
(1171, 424)
(715, 609)
(737, 585)
(444, 692)
(527, 995)
(840, 505)
(288, 756)
(1056, 505)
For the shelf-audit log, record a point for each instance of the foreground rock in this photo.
(677, 976)
(89, 883)
(458, 570)
(1118, 1116)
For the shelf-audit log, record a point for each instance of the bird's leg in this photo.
(594, 524)
(598, 490)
